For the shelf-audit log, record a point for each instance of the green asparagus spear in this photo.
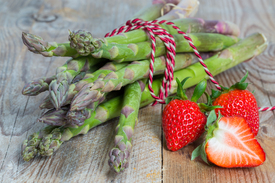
(119, 155)
(76, 86)
(188, 25)
(92, 93)
(142, 50)
(37, 45)
(246, 49)
(58, 88)
(40, 85)
(48, 49)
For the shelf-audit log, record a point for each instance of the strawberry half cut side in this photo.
(230, 143)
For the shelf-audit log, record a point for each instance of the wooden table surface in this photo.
(84, 158)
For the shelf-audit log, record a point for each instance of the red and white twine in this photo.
(153, 28)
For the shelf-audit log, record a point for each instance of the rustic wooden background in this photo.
(84, 158)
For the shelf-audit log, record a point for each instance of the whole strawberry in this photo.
(183, 120)
(236, 100)
(229, 143)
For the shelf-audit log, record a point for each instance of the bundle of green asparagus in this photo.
(107, 77)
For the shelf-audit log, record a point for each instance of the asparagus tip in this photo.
(34, 87)
(50, 142)
(58, 92)
(55, 117)
(78, 117)
(30, 147)
(119, 156)
(81, 41)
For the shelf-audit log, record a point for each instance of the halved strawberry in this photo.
(230, 143)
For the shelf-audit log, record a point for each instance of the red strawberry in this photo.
(230, 143)
(236, 101)
(183, 120)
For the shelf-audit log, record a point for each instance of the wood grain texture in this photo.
(84, 158)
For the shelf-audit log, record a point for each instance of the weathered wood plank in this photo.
(251, 16)
(84, 158)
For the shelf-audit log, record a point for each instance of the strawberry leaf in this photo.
(180, 91)
(199, 90)
(211, 118)
(184, 81)
(169, 99)
(244, 78)
(200, 151)
(224, 88)
(203, 153)
(196, 153)
(241, 86)
(215, 94)
(209, 100)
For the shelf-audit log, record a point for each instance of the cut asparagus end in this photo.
(55, 117)
(29, 148)
(81, 41)
(119, 156)
(77, 118)
(58, 92)
(50, 142)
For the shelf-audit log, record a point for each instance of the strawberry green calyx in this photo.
(119, 155)
(198, 92)
(241, 85)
